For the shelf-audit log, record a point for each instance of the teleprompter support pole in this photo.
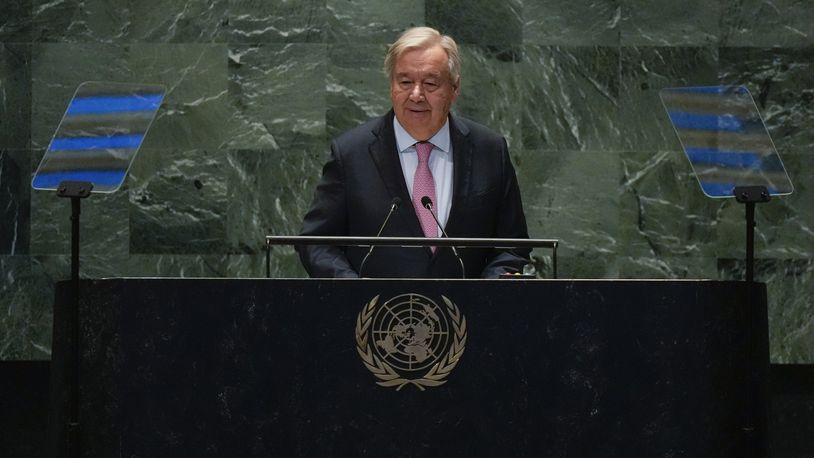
(750, 195)
(75, 190)
(268, 259)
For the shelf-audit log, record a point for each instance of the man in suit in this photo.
(418, 149)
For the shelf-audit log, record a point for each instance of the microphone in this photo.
(394, 205)
(427, 203)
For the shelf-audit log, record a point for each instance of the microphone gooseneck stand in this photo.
(366, 242)
(394, 205)
(76, 190)
(427, 203)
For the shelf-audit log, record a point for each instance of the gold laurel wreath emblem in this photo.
(388, 376)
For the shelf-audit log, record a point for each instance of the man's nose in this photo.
(417, 92)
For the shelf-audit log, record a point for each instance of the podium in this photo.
(257, 368)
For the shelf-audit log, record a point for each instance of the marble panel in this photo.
(15, 195)
(103, 222)
(196, 105)
(669, 227)
(646, 70)
(195, 76)
(270, 193)
(570, 98)
(542, 259)
(667, 268)
(178, 202)
(284, 263)
(58, 267)
(364, 21)
(586, 265)
(782, 83)
(26, 301)
(56, 72)
(357, 89)
(669, 23)
(498, 26)
(277, 92)
(156, 265)
(784, 226)
(780, 23)
(790, 288)
(50, 222)
(572, 196)
(275, 21)
(490, 93)
(15, 103)
(15, 21)
(572, 22)
(51, 20)
(101, 21)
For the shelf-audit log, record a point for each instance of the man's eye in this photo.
(405, 83)
(431, 85)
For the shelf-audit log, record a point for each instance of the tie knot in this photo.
(423, 149)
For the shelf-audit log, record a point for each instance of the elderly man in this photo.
(417, 151)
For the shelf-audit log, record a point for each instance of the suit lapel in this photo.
(385, 155)
(461, 170)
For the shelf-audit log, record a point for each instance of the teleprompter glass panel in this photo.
(99, 135)
(724, 137)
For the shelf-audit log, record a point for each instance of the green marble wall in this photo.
(257, 89)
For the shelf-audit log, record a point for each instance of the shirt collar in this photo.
(404, 140)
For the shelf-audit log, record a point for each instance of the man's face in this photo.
(422, 92)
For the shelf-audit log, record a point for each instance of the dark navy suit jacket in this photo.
(364, 174)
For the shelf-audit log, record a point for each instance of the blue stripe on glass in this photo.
(709, 90)
(737, 159)
(692, 121)
(114, 104)
(90, 143)
(97, 177)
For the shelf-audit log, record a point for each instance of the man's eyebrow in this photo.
(426, 76)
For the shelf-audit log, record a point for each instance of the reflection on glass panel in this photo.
(725, 139)
(99, 135)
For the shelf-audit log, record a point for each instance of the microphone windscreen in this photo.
(395, 203)
(426, 202)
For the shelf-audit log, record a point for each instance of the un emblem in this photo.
(410, 340)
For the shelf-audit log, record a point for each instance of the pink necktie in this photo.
(424, 185)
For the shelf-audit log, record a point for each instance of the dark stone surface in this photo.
(792, 415)
(15, 96)
(23, 408)
(15, 209)
(554, 368)
(15, 21)
(24, 401)
(256, 89)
